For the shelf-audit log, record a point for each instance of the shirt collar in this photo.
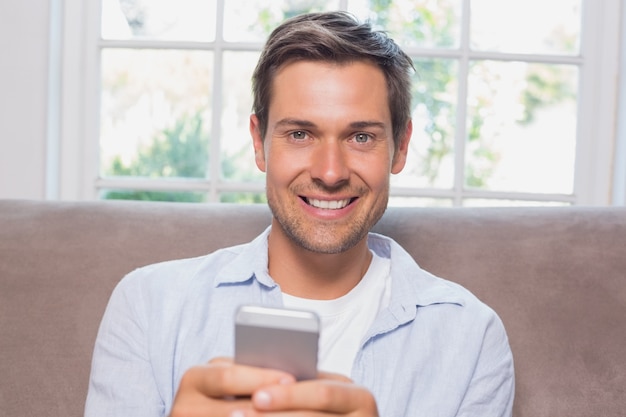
(250, 262)
(412, 287)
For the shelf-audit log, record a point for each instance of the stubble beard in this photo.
(323, 239)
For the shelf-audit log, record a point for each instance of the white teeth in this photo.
(328, 205)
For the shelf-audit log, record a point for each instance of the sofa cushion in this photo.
(556, 277)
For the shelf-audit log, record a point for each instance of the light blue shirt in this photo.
(436, 351)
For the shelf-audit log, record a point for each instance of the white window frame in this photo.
(76, 147)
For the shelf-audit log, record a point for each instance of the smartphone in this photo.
(278, 338)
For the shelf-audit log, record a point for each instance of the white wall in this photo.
(23, 97)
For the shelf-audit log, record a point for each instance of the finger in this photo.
(194, 404)
(220, 360)
(222, 378)
(333, 377)
(190, 402)
(330, 396)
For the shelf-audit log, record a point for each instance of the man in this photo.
(331, 122)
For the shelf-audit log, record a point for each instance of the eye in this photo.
(362, 137)
(298, 134)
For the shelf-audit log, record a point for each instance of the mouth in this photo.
(328, 204)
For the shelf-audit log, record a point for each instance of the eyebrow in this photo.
(364, 124)
(294, 122)
(367, 124)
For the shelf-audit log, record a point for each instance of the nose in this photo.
(329, 165)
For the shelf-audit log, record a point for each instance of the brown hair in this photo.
(334, 37)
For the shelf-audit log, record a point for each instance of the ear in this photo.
(257, 142)
(399, 157)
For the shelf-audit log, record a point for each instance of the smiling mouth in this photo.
(328, 204)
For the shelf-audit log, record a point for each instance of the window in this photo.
(514, 102)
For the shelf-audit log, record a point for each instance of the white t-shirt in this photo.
(346, 319)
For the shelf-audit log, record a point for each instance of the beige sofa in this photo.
(556, 276)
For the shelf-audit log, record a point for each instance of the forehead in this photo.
(356, 88)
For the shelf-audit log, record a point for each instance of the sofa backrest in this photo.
(556, 277)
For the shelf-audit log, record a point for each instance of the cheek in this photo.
(375, 172)
(280, 168)
(380, 181)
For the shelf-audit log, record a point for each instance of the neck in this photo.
(303, 273)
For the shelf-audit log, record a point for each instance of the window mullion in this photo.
(90, 166)
(154, 44)
(599, 74)
(461, 115)
(215, 174)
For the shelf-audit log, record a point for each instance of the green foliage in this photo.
(434, 79)
(545, 86)
(174, 196)
(135, 15)
(180, 151)
(243, 198)
(380, 9)
(267, 21)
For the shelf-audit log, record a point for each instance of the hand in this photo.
(330, 394)
(221, 387)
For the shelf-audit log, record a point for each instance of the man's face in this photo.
(328, 153)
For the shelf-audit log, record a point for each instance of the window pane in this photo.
(237, 153)
(155, 114)
(431, 151)
(530, 26)
(183, 20)
(422, 23)
(151, 195)
(253, 20)
(521, 127)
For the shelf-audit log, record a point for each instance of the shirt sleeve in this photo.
(122, 381)
(492, 388)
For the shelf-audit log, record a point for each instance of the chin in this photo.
(319, 241)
